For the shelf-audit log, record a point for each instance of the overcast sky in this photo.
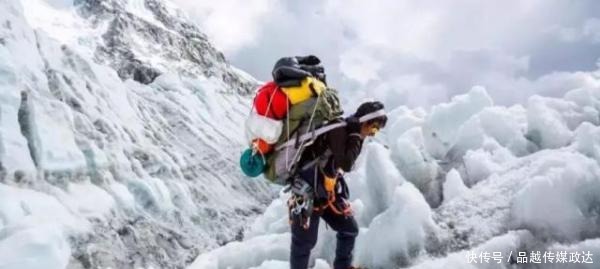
(416, 52)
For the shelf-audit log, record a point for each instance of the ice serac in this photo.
(513, 179)
(441, 127)
(453, 186)
(117, 151)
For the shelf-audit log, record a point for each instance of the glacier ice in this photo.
(562, 200)
(589, 246)
(441, 125)
(505, 244)
(399, 233)
(124, 171)
(34, 226)
(454, 185)
(503, 189)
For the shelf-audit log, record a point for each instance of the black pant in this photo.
(303, 240)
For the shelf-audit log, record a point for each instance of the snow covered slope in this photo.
(465, 177)
(119, 137)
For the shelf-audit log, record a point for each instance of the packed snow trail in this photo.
(500, 179)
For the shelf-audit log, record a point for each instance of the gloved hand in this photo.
(343, 206)
(353, 125)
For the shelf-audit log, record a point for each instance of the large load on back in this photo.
(288, 114)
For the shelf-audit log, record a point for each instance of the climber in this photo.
(319, 190)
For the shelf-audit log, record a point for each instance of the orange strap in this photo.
(347, 211)
(329, 184)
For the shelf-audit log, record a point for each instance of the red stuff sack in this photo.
(271, 102)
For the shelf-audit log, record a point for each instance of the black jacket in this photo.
(345, 147)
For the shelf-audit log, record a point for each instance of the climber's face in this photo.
(375, 127)
(370, 129)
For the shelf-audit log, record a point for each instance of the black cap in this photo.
(370, 107)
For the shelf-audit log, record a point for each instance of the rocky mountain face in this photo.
(120, 130)
(142, 46)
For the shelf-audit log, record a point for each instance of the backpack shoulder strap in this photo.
(307, 136)
(317, 132)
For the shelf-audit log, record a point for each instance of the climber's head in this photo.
(376, 117)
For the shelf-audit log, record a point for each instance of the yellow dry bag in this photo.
(308, 88)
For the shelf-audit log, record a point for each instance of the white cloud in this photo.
(231, 24)
(418, 52)
(359, 66)
(431, 29)
(589, 31)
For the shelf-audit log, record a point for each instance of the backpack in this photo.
(276, 157)
(295, 103)
(304, 123)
